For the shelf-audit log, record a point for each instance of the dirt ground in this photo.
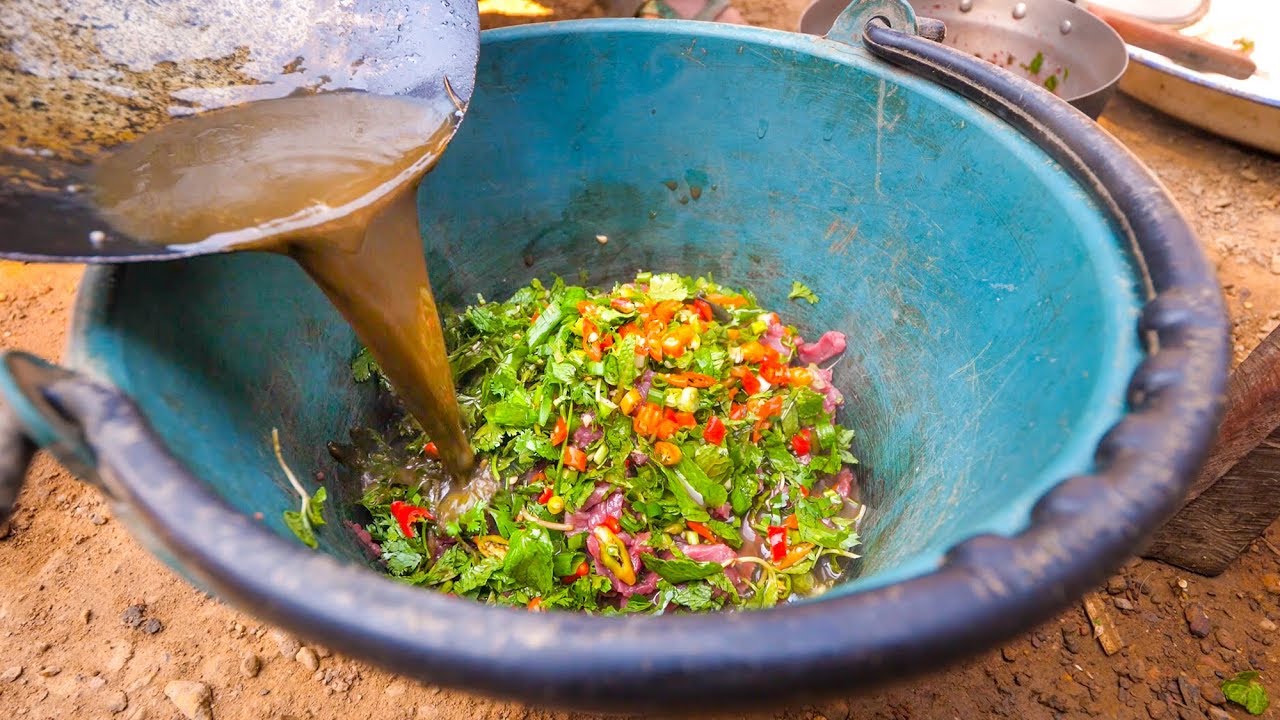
(93, 627)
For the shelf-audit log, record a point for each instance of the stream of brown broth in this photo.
(331, 181)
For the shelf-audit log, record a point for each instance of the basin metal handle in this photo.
(45, 406)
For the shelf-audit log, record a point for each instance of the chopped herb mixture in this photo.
(665, 444)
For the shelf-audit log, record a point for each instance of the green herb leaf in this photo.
(667, 286)
(300, 527)
(681, 570)
(726, 532)
(1036, 63)
(452, 563)
(693, 595)
(548, 321)
(400, 557)
(714, 462)
(529, 558)
(477, 575)
(566, 563)
(315, 507)
(713, 493)
(1246, 690)
(364, 368)
(800, 291)
(811, 514)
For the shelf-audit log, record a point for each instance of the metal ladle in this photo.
(81, 78)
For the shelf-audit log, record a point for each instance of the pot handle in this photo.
(44, 406)
(898, 14)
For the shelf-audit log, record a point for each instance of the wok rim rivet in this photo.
(966, 5)
(1019, 11)
(1065, 27)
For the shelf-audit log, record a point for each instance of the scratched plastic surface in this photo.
(991, 309)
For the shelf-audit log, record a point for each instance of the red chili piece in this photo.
(407, 515)
(777, 537)
(714, 433)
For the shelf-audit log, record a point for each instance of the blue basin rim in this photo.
(988, 589)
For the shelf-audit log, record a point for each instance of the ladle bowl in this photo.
(1037, 352)
(84, 78)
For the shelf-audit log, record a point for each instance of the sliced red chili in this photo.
(703, 309)
(773, 373)
(714, 432)
(406, 515)
(801, 443)
(702, 530)
(591, 340)
(546, 495)
(749, 381)
(611, 522)
(777, 537)
(575, 458)
(560, 432)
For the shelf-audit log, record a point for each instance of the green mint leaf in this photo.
(680, 570)
(451, 564)
(693, 595)
(811, 513)
(713, 493)
(566, 563)
(714, 462)
(800, 291)
(529, 558)
(477, 575)
(364, 367)
(298, 523)
(726, 532)
(1246, 690)
(315, 508)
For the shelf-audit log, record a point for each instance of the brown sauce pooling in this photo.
(329, 180)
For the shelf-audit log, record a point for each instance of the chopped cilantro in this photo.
(800, 291)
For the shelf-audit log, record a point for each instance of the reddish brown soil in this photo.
(69, 573)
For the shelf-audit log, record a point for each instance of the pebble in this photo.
(1249, 174)
(116, 702)
(1117, 585)
(395, 689)
(49, 671)
(97, 519)
(1271, 583)
(1212, 693)
(1226, 640)
(288, 645)
(152, 626)
(237, 630)
(1009, 654)
(1267, 625)
(1071, 642)
(121, 653)
(1197, 621)
(1217, 713)
(250, 665)
(192, 698)
(11, 673)
(307, 657)
(1275, 264)
(1157, 709)
(1122, 604)
(132, 615)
